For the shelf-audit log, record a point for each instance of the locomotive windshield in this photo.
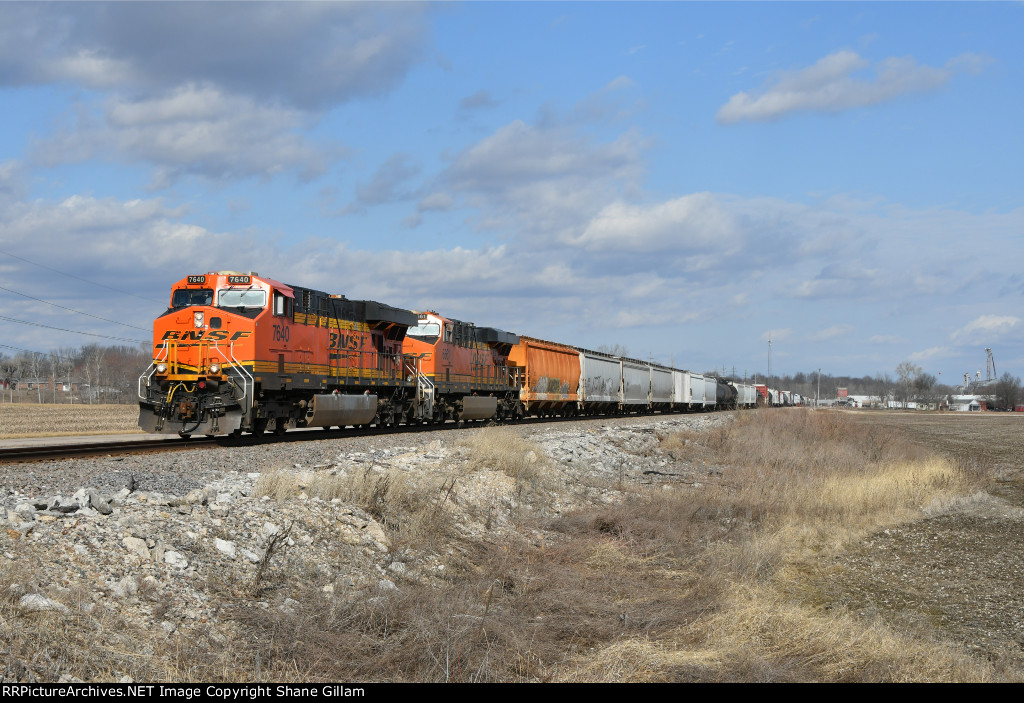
(242, 298)
(184, 298)
(426, 331)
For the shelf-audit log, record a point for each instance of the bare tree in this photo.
(35, 369)
(53, 362)
(8, 374)
(1007, 390)
(885, 388)
(906, 372)
(923, 384)
(66, 360)
(92, 357)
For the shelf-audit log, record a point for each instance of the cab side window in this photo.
(282, 304)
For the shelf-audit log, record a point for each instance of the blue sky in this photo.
(679, 178)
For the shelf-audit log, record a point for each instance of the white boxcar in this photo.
(680, 389)
(636, 383)
(600, 378)
(661, 386)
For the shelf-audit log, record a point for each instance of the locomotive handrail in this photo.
(148, 373)
(424, 388)
(247, 380)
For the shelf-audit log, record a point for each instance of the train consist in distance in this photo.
(239, 352)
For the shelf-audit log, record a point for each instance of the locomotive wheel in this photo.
(280, 427)
(259, 425)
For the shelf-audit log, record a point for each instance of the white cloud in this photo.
(833, 332)
(388, 183)
(930, 353)
(436, 201)
(518, 152)
(829, 86)
(986, 328)
(479, 100)
(310, 55)
(541, 180)
(692, 222)
(197, 130)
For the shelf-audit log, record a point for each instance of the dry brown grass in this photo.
(505, 449)
(701, 584)
(414, 515)
(795, 487)
(28, 420)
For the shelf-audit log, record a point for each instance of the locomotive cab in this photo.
(465, 367)
(198, 382)
(239, 352)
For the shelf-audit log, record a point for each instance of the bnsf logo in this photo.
(196, 335)
(346, 341)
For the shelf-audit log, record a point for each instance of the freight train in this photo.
(239, 352)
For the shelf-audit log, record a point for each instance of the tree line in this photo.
(87, 374)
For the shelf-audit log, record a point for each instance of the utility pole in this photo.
(769, 353)
(817, 393)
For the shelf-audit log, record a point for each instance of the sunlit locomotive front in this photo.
(239, 353)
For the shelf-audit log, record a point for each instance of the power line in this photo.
(27, 351)
(61, 329)
(77, 312)
(77, 278)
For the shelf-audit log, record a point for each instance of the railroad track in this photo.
(10, 455)
(65, 448)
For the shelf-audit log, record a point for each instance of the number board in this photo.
(239, 279)
(196, 279)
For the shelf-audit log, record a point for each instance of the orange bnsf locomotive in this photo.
(240, 352)
(243, 353)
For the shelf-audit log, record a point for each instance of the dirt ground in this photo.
(959, 574)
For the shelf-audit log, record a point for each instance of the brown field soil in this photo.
(958, 575)
(30, 420)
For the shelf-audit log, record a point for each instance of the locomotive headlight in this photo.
(161, 368)
(198, 317)
(214, 368)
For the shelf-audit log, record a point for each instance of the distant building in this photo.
(968, 403)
